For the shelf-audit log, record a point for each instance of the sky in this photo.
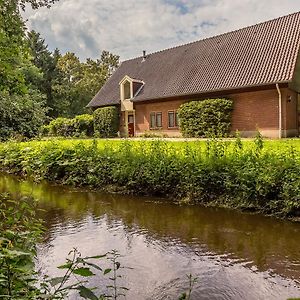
(126, 28)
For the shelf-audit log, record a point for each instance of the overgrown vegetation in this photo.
(205, 118)
(21, 115)
(106, 121)
(247, 175)
(19, 231)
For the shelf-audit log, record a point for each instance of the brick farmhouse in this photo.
(258, 67)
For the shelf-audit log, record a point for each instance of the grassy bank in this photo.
(254, 175)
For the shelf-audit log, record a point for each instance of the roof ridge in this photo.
(215, 36)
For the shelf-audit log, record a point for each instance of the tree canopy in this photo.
(43, 83)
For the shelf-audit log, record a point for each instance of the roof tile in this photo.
(265, 53)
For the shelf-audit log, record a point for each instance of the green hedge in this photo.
(106, 121)
(78, 126)
(210, 117)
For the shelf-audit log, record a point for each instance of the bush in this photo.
(84, 124)
(21, 115)
(106, 121)
(80, 125)
(205, 118)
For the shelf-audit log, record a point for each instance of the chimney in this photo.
(144, 55)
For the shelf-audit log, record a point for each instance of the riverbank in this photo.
(249, 175)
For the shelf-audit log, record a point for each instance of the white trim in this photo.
(131, 81)
(126, 78)
(138, 91)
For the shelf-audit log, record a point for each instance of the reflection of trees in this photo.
(269, 243)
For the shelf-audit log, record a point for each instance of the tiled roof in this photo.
(261, 54)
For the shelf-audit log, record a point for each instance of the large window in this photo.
(155, 120)
(173, 120)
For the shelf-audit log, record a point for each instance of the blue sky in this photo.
(126, 28)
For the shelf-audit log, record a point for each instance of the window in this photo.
(159, 119)
(176, 119)
(173, 120)
(155, 120)
(152, 120)
(127, 90)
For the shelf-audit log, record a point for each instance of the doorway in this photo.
(131, 125)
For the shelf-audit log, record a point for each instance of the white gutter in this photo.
(279, 111)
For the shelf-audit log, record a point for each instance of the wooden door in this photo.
(130, 125)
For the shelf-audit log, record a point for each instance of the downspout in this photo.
(279, 111)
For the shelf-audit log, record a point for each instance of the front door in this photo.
(130, 125)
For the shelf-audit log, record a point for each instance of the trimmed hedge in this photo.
(78, 126)
(207, 118)
(106, 121)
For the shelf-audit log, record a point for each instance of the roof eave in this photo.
(213, 91)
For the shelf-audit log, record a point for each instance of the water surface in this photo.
(234, 255)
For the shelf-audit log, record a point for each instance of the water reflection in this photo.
(235, 256)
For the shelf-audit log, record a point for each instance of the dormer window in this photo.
(127, 90)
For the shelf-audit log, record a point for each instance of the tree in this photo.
(80, 81)
(46, 61)
(11, 48)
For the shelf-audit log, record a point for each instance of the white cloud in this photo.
(87, 27)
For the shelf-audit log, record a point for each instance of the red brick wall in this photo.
(256, 109)
(253, 110)
(289, 111)
(142, 115)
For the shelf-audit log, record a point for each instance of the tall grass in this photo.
(254, 175)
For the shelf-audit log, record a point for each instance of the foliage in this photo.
(80, 81)
(192, 281)
(19, 231)
(205, 118)
(12, 51)
(46, 62)
(106, 121)
(77, 270)
(255, 175)
(82, 125)
(21, 115)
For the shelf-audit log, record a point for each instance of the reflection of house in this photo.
(256, 67)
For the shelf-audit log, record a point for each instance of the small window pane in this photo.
(127, 90)
(152, 120)
(176, 119)
(171, 118)
(158, 119)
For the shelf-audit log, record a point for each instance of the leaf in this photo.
(56, 280)
(93, 265)
(86, 293)
(118, 265)
(65, 266)
(86, 272)
(96, 257)
(106, 271)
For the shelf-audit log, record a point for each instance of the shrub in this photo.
(205, 118)
(106, 121)
(80, 125)
(21, 115)
(84, 124)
